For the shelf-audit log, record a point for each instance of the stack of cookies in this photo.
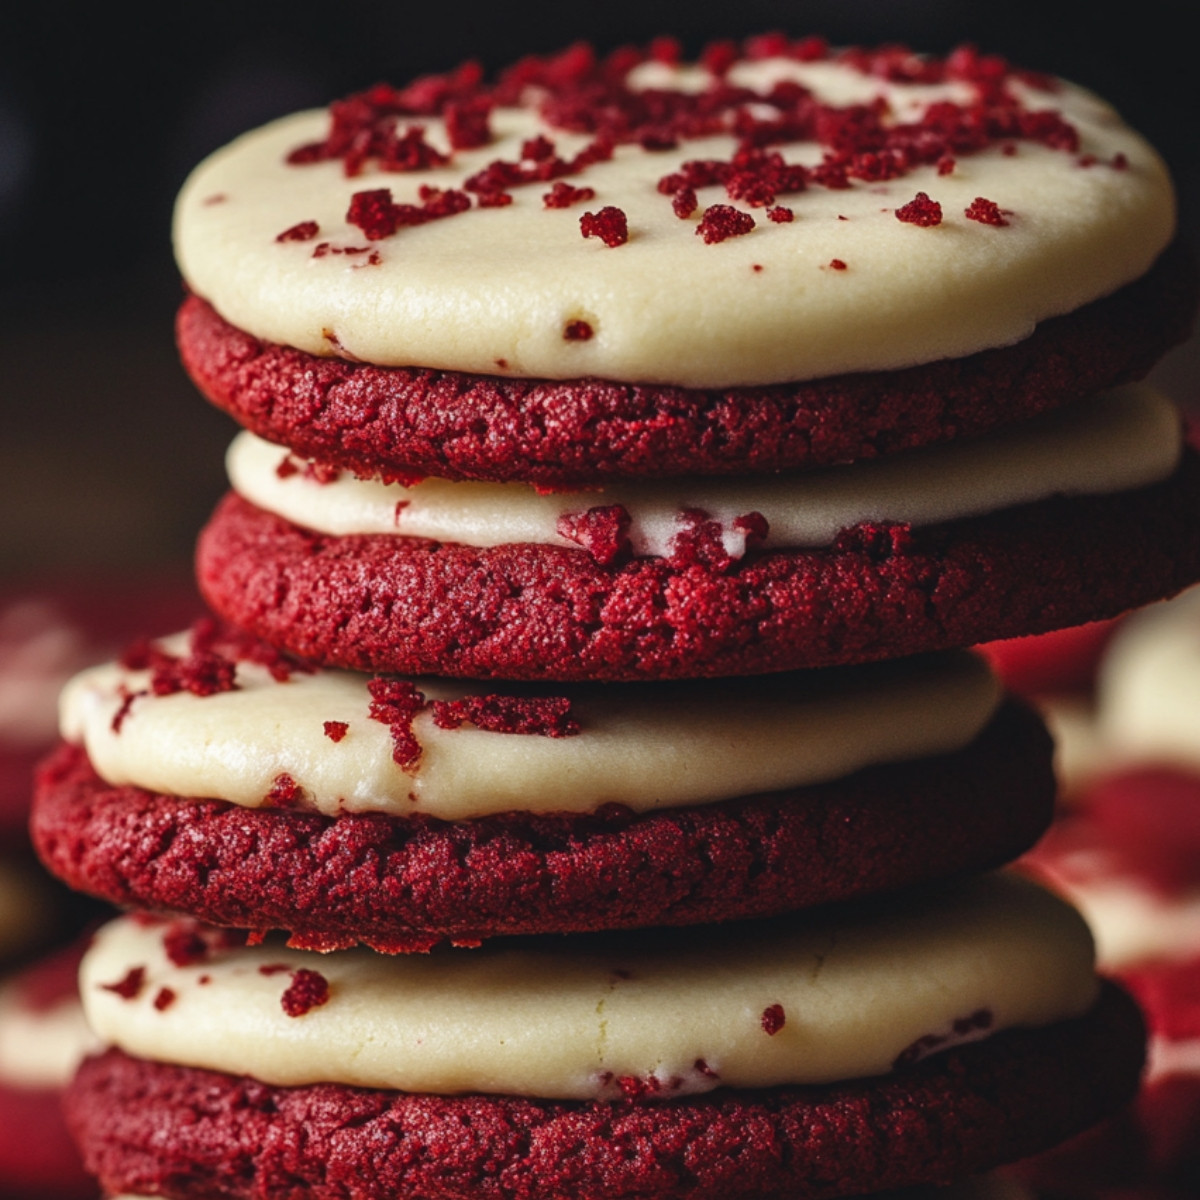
(581, 790)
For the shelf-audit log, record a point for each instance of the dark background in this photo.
(108, 458)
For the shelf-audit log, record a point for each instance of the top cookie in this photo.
(785, 215)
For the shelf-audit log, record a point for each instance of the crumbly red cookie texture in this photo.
(385, 603)
(389, 421)
(950, 1116)
(404, 884)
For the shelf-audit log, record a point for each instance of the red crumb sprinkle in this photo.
(721, 221)
(184, 946)
(204, 980)
(285, 792)
(274, 968)
(986, 212)
(773, 1019)
(780, 214)
(563, 195)
(123, 709)
(305, 231)
(130, 987)
(702, 1068)
(164, 999)
(549, 716)
(374, 213)
(837, 264)
(577, 331)
(610, 225)
(1119, 162)
(684, 202)
(602, 531)
(920, 210)
(308, 990)
(394, 703)
(756, 266)
(946, 165)
(336, 730)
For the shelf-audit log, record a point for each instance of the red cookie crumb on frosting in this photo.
(164, 998)
(920, 210)
(610, 225)
(563, 195)
(603, 531)
(577, 331)
(773, 1019)
(336, 730)
(305, 231)
(986, 212)
(395, 702)
(723, 221)
(308, 990)
(549, 716)
(130, 986)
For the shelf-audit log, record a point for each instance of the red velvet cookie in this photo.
(38, 1160)
(951, 1115)
(390, 603)
(406, 884)
(49, 629)
(408, 421)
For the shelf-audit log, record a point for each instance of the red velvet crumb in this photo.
(164, 998)
(549, 716)
(780, 214)
(305, 231)
(602, 531)
(183, 944)
(395, 702)
(986, 212)
(130, 987)
(285, 792)
(721, 221)
(773, 1019)
(336, 730)
(837, 264)
(308, 990)
(577, 331)
(946, 165)
(684, 202)
(609, 225)
(920, 210)
(563, 195)
(269, 969)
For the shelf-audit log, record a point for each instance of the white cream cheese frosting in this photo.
(802, 1000)
(492, 290)
(1123, 439)
(1148, 686)
(646, 747)
(40, 1048)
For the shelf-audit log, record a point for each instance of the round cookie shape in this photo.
(848, 993)
(406, 884)
(951, 1115)
(400, 421)
(327, 741)
(385, 603)
(1119, 440)
(300, 243)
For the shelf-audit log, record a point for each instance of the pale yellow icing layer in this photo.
(492, 290)
(1148, 687)
(1120, 440)
(854, 990)
(646, 747)
(40, 1048)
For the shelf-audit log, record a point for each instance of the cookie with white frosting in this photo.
(589, 272)
(211, 775)
(879, 1046)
